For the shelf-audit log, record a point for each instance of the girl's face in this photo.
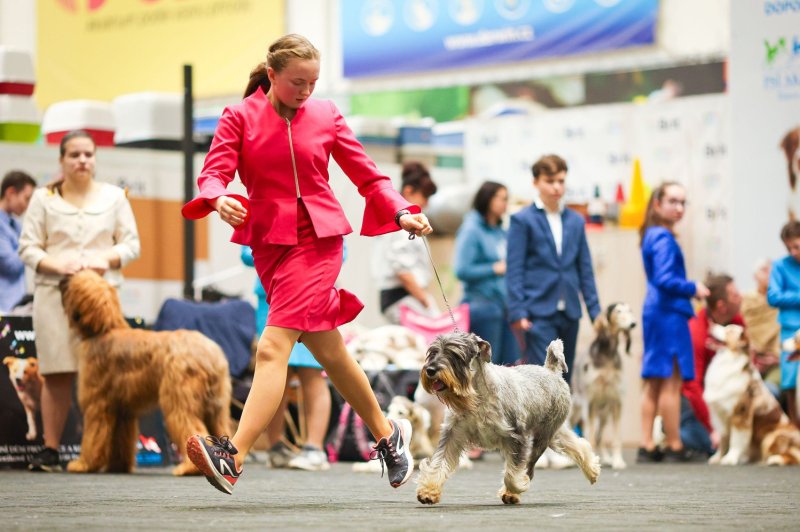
(551, 188)
(672, 205)
(78, 159)
(498, 203)
(294, 84)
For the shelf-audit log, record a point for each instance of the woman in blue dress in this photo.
(668, 357)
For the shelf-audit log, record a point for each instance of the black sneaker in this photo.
(214, 458)
(394, 451)
(643, 456)
(684, 456)
(45, 460)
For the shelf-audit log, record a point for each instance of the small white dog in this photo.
(520, 410)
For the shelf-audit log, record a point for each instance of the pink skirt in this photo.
(299, 280)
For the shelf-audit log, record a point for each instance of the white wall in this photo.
(18, 24)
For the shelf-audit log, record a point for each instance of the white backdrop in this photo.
(765, 105)
(685, 140)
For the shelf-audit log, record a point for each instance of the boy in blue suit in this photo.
(549, 267)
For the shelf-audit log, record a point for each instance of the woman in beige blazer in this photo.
(73, 224)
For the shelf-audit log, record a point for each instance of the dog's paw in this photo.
(508, 497)
(729, 460)
(592, 471)
(715, 458)
(77, 466)
(775, 460)
(428, 496)
(30, 436)
(618, 463)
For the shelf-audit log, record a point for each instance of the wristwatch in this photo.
(399, 214)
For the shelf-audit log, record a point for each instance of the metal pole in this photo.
(188, 182)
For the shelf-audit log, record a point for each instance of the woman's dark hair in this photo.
(790, 231)
(280, 53)
(416, 176)
(16, 179)
(74, 134)
(651, 217)
(548, 165)
(484, 197)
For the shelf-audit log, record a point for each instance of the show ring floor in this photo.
(654, 497)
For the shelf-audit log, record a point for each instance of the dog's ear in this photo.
(9, 360)
(601, 324)
(627, 334)
(484, 349)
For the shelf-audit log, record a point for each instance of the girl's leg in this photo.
(650, 392)
(316, 405)
(348, 378)
(669, 405)
(277, 426)
(56, 402)
(269, 382)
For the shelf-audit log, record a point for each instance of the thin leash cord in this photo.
(411, 236)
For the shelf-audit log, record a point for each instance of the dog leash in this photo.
(412, 236)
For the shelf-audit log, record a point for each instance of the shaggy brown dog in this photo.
(125, 372)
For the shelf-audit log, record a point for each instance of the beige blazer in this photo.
(52, 227)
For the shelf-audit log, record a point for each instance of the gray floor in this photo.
(641, 497)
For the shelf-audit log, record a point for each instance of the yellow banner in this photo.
(100, 49)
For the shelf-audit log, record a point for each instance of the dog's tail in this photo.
(555, 357)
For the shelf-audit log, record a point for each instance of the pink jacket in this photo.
(279, 161)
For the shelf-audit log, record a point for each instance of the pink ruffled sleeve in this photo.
(382, 200)
(219, 168)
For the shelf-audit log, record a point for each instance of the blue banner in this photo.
(382, 37)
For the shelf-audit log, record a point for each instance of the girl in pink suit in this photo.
(279, 141)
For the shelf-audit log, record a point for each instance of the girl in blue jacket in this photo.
(668, 357)
(480, 265)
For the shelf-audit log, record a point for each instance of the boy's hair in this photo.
(717, 285)
(16, 179)
(790, 231)
(416, 176)
(548, 165)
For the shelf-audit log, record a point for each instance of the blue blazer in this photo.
(667, 287)
(537, 278)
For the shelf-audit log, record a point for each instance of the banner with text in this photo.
(392, 36)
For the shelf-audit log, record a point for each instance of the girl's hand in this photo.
(416, 223)
(96, 264)
(230, 211)
(521, 325)
(701, 291)
(69, 267)
(499, 267)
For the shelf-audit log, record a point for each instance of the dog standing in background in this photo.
(25, 378)
(125, 372)
(597, 382)
(521, 410)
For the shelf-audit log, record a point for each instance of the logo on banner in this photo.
(377, 17)
(512, 9)
(780, 7)
(781, 48)
(781, 66)
(466, 12)
(420, 14)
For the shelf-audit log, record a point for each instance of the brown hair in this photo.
(74, 134)
(416, 176)
(651, 217)
(280, 52)
(484, 196)
(790, 231)
(717, 285)
(548, 165)
(16, 179)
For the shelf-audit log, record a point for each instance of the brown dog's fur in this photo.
(790, 144)
(125, 372)
(25, 378)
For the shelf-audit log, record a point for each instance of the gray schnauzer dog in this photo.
(520, 410)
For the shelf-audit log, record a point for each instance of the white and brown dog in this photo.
(597, 382)
(521, 410)
(749, 420)
(25, 378)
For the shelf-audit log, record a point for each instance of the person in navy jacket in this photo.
(549, 267)
(668, 355)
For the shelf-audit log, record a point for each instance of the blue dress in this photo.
(667, 307)
(784, 293)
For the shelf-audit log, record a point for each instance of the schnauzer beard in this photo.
(455, 357)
